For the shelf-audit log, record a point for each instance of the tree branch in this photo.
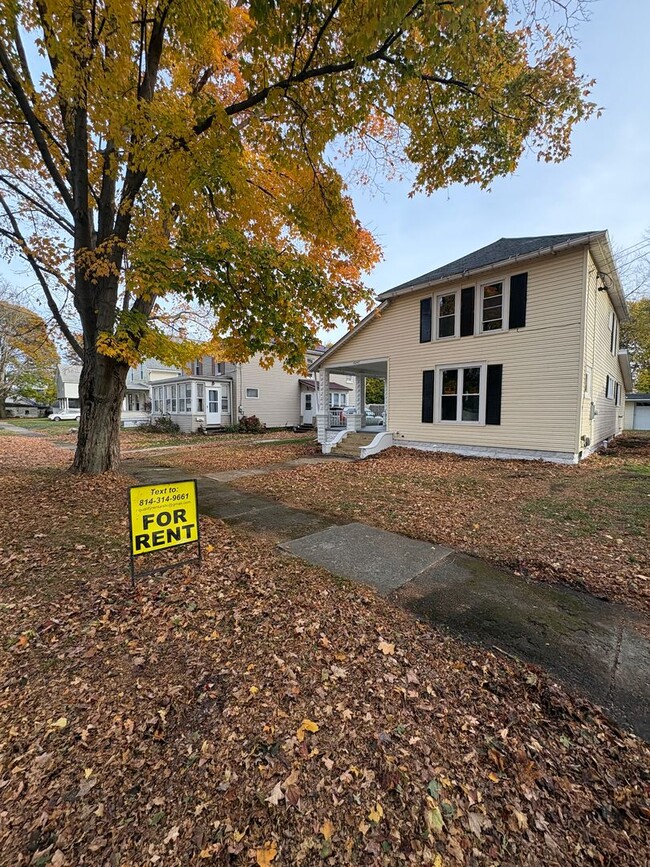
(40, 276)
(328, 69)
(41, 206)
(34, 124)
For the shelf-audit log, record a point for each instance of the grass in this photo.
(41, 424)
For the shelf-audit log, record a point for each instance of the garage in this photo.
(637, 412)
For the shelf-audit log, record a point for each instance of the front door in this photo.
(307, 407)
(213, 414)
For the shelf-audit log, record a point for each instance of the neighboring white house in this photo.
(511, 351)
(213, 394)
(136, 407)
(637, 411)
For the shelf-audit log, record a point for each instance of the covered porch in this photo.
(360, 416)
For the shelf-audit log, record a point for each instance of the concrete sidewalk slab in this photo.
(362, 553)
(583, 641)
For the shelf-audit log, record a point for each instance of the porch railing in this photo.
(337, 418)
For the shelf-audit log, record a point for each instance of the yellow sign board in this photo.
(163, 516)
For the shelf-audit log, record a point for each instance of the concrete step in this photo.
(349, 447)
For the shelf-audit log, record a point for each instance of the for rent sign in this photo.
(163, 516)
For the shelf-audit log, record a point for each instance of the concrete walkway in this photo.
(588, 644)
(19, 431)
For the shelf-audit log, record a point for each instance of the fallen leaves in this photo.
(267, 854)
(386, 647)
(292, 737)
(306, 726)
(546, 521)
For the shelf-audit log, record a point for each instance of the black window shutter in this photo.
(425, 320)
(467, 312)
(518, 298)
(493, 394)
(427, 395)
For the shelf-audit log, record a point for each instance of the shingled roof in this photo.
(500, 251)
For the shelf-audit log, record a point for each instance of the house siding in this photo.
(541, 362)
(278, 404)
(608, 420)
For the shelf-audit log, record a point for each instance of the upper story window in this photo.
(609, 387)
(198, 368)
(492, 307)
(447, 312)
(499, 305)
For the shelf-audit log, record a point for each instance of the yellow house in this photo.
(511, 352)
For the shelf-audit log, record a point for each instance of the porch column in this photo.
(360, 394)
(322, 405)
(323, 393)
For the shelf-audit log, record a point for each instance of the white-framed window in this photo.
(587, 381)
(492, 306)
(447, 314)
(185, 397)
(170, 398)
(461, 394)
(133, 402)
(225, 402)
(609, 387)
(337, 399)
(199, 396)
(252, 392)
(617, 393)
(197, 367)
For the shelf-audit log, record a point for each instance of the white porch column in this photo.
(323, 392)
(360, 394)
(322, 405)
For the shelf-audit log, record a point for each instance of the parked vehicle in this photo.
(65, 415)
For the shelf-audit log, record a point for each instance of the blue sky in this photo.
(605, 183)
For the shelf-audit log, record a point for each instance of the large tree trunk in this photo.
(101, 388)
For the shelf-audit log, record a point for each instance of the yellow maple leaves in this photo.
(306, 726)
(266, 854)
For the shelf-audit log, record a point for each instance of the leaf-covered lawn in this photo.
(585, 525)
(255, 711)
(239, 452)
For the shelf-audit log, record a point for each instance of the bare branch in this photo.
(35, 125)
(40, 276)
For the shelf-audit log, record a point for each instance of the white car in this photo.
(65, 415)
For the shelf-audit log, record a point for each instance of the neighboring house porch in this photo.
(194, 402)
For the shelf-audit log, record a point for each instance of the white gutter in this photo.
(523, 257)
(626, 369)
(313, 367)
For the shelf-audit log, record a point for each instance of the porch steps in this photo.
(349, 447)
